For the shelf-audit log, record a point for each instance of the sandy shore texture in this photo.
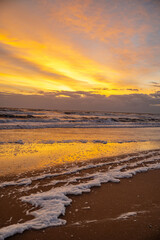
(126, 210)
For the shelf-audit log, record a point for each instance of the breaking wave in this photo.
(33, 119)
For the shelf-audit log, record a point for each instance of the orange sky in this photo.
(104, 47)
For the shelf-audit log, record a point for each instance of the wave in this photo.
(32, 119)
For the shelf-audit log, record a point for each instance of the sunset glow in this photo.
(96, 47)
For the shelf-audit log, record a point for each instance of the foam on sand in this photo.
(52, 204)
(127, 215)
(28, 181)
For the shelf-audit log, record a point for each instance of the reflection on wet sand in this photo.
(25, 150)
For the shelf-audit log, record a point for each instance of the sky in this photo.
(80, 54)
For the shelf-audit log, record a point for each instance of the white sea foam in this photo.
(123, 216)
(51, 204)
(27, 181)
(22, 181)
(51, 141)
(15, 142)
(127, 215)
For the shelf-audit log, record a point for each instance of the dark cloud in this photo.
(133, 89)
(116, 89)
(125, 89)
(156, 95)
(101, 89)
(155, 84)
(85, 101)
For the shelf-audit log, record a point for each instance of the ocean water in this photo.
(27, 118)
(41, 166)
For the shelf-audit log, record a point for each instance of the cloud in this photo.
(116, 89)
(65, 100)
(132, 89)
(79, 45)
(155, 84)
(156, 95)
(124, 24)
(9, 56)
(104, 20)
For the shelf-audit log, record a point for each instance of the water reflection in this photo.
(25, 150)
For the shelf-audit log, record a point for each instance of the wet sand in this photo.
(35, 149)
(94, 215)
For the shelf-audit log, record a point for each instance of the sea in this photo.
(37, 118)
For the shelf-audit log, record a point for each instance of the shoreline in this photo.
(62, 166)
(79, 127)
(95, 215)
(115, 177)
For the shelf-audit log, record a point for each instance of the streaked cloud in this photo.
(102, 48)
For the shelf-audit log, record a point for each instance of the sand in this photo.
(98, 214)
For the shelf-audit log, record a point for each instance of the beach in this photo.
(129, 210)
(80, 183)
(79, 120)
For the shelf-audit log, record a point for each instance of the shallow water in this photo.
(34, 149)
